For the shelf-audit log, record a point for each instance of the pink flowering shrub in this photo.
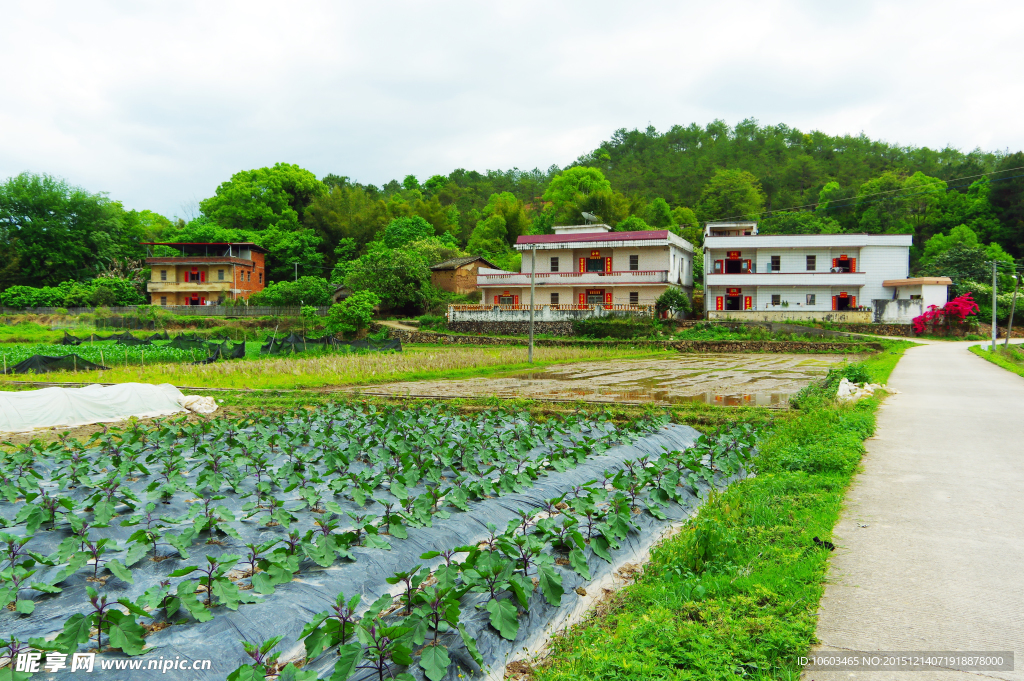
(955, 311)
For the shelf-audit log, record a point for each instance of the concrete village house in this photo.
(589, 268)
(206, 273)
(832, 277)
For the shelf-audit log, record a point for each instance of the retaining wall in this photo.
(681, 345)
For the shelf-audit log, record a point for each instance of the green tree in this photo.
(263, 198)
(659, 214)
(799, 222)
(346, 212)
(410, 182)
(435, 250)
(395, 276)
(354, 313)
(674, 301)
(512, 211)
(285, 248)
(304, 291)
(882, 207)
(489, 236)
(51, 231)
(580, 189)
(633, 224)
(1007, 199)
(731, 195)
(402, 231)
(435, 184)
(576, 182)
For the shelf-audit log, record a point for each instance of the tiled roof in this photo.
(456, 263)
(652, 235)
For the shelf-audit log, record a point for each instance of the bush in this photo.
(433, 322)
(102, 291)
(618, 326)
(304, 291)
(354, 313)
(674, 301)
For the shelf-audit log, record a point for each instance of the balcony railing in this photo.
(623, 307)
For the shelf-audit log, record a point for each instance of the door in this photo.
(843, 302)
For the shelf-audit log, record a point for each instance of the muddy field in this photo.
(721, 379)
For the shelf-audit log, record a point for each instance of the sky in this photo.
(156, 103)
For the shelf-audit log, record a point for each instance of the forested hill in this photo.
(791, 166)
(962, 208)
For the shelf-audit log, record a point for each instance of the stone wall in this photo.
(879, 329)
(682, 346)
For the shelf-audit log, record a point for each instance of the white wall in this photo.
(881, 263)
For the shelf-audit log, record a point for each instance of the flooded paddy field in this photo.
(721, 379)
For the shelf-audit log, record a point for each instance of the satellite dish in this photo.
(589, 217)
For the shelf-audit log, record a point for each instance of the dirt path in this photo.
(931, 545)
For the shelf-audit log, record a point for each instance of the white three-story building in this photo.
(841, 277)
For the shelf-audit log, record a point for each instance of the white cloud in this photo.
(156, 103)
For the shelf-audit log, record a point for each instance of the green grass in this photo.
(735, 595)
(309, 370)
(1011, 358)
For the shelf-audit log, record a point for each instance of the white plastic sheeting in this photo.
(67, 407)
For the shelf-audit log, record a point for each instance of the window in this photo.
(554, 296)
(634, 298)
(776, 263)
(163, 300)
(810, 296)
(261, 277)
(634, 262)
(776, 298)
(220, 275)
(554, 268)
(506, 300)
(915, 297)
(595, 264)
(163, 275)
(811, 263)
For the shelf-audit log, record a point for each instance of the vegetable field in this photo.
(342, 542)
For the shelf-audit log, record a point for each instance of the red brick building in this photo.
(206, 273)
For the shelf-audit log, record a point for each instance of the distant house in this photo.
(458, 275)
(588, 265)
(205, 273)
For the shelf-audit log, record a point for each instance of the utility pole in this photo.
(533, 286)
(1013, 307)
(994, 327)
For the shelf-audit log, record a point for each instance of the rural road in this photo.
(930, 548)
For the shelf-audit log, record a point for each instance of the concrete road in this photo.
(930, 549)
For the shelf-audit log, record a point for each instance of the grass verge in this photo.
(1011, 358)
(735, 594)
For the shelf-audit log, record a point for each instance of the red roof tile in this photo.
(652, 234)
